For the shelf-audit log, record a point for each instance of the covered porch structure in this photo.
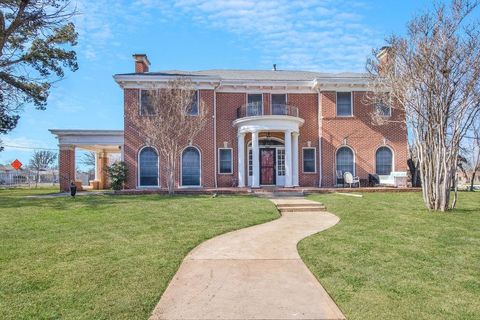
(270, 158)
(103, 142)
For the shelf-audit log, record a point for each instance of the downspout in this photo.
(320, 134)
(215, 131)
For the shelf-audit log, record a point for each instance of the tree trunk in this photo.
(472, 180)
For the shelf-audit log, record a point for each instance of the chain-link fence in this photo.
(28, 178)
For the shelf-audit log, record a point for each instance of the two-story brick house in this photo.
(282, 128)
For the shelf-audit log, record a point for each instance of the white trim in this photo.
(335, 162)
(272, 123)
(231, 161)
(375, 157)
(181, 165)
(351, 104)
(315, 160)
(158, 168)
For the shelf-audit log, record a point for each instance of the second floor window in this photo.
(279, 102)
(147, 100)
(383, 109)
(193, 110)
(344, 104)
(254, 105)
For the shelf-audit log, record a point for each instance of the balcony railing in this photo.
(256, 109)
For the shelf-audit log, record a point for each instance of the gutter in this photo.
(320, 135)
(215, 132)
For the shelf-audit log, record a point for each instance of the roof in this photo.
(270, 75)
(83, 132)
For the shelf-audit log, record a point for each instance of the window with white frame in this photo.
(344, 104)
(147, 100)
(148, 167)
(383, 109)
(280, 162)
(383, 161)
(345, 162)
(279, 102)
(190, 167)
(254, 105)
(225, 160)
(309, 163)
(193, 110)
(250, 163)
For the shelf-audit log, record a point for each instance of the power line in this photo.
(29, 148)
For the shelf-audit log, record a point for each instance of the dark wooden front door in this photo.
(267, 166)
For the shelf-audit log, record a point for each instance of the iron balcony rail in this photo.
(256, 109)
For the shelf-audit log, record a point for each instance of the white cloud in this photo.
(306, 34)
(327, 35)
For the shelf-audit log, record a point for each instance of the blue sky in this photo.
(321, 35)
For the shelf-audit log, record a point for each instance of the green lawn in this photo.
(389, 258)
(102, 257)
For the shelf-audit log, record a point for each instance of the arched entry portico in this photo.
(264, 161)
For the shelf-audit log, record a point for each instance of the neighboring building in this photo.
(283, 128)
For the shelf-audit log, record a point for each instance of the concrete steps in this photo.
(301, 207)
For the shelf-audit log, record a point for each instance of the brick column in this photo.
(66, 166)
(101, 174)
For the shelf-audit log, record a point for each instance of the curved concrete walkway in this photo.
(253, 273)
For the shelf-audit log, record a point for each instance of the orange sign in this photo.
(16, 164)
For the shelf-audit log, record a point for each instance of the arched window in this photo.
(383, 160)
(148, 163)
(345, 160)
(190, 167)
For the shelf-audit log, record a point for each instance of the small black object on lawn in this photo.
(73, 189)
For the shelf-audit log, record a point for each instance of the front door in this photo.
(267, 166)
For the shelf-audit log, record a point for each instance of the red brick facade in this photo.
(66, 161)
(322, 130)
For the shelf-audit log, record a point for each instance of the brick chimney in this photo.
(384, 55)
(141, 62)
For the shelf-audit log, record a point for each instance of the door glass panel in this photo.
(280, 162)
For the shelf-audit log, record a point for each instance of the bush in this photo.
(117, 173)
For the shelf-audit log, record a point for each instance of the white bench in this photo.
(395, 178)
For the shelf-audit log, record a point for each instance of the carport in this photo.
(103, 142)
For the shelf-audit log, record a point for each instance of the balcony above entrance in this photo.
(252, 117)
(256, 110)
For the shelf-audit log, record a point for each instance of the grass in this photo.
(389, 258)
(104, 257)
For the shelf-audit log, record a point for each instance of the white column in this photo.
(295, 159)
(255, 161)
(288, 158)
(241, 160)
(96, 166)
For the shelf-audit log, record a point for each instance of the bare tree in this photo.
(89, 160)
(471, 155)
(41, 160)
(433, 75)
(166, 122)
